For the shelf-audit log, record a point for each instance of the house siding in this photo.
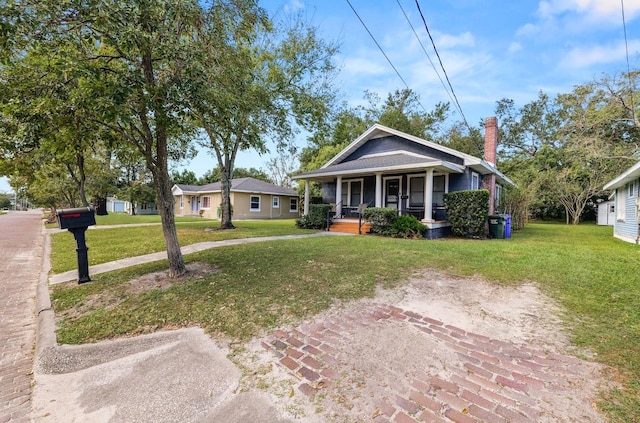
(393, 144)
(242, 206)
(627, 229)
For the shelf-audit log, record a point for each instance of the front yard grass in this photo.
(259, 286)
(112, 244)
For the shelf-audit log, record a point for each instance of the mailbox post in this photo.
(77, 221)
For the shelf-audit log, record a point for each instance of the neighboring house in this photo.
(115, 205)
(388, 168)
(250, 199)
(627, 204)
(606, 213)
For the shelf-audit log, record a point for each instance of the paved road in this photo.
(21, 250)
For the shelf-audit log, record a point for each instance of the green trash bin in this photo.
(497, 223)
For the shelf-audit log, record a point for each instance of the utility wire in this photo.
(442, 66)
(427, 54)
(382, 51)
(626, 45)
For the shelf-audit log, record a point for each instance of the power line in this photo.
(427, 54)
(382, 51)
(442, 65)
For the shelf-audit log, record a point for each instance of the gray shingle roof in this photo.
(241, 185)
(391, 160)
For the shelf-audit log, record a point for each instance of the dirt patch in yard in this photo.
(161, 280)
(148, 282)
(439, 348)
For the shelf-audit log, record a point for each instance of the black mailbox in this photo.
(81, 217)
(77, 221)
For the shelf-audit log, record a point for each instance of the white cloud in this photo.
(594, 11)
(363, 66)
(444, 41)
(294, 6)
(515, 47)
(582, 57)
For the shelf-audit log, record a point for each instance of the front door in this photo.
(392, 193)
(194, 205)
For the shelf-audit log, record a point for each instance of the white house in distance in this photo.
(627, 204)
(250, 199)
(116, 205)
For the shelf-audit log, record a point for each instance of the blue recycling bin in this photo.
(507, 226)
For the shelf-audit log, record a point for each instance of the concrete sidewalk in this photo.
(188, 249)
(167, 376)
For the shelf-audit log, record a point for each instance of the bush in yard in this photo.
(407, 226)
(316, 219)
(380, 218)
(385, 221)
(467, 212)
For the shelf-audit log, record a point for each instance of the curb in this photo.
(45, 326)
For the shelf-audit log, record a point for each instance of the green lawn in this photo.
(258, 286)
(107, 245)
(126, 219)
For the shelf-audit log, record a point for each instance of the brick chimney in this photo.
(490, 155)
(491, 140)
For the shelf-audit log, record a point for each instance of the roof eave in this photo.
(627, 176)
(440, 165)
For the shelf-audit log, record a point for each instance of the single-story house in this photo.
(250, 199)
(115, 205)
(627, 204)
(384, 167)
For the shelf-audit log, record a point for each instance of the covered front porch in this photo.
(417, 191)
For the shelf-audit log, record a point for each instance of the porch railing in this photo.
(332, 212)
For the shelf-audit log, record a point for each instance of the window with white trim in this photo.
(475, 181)
(620, 203)
(631, 189)
(254, 202)
(352, 194)
(276, 202)
(416, 191)
(182, 201)
(293, 205)
(206, 202)
(439, 188)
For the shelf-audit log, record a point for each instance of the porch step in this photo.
(350, 227)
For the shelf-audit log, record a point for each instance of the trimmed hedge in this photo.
(380, 219)
(467, 211)
(316, 219)
(385, 221)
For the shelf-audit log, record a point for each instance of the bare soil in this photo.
(379, 360)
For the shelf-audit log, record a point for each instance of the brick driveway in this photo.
(341, 363)
(21, 252)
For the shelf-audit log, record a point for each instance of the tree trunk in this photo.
(165, 205)
(225, 187)
(156, 156)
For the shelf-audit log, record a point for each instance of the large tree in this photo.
(562, 150)
(262, 83)
(129, 56)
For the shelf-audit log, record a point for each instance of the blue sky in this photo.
(490, 50)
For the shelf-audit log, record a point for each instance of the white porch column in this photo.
(428, 196)
(339, 196)
(307, 194)
(378, 189)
